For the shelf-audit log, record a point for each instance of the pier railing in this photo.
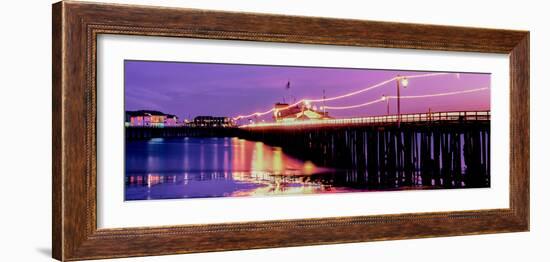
(386, 119)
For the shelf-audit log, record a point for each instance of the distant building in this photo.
(150, 118)
(171, 120)
(212, 121)
(304, 111)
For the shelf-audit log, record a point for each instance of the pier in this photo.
(447, 149)
(440, 149)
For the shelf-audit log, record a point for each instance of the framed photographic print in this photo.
(195, 131)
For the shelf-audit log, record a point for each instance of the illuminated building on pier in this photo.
(304, 111)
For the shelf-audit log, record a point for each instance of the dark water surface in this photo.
(162, 168)
(190, 167)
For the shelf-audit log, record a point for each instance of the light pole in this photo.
(404, 82)
(150, 118)
(385, 98)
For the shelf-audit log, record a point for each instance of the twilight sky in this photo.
(191, 89)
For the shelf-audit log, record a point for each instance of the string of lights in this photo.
(443, 94)
(305, 100)
(354, 106)
(407, 97)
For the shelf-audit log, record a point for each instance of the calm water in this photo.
(163, 168)
(169, 168)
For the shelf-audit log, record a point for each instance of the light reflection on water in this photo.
(216, 167)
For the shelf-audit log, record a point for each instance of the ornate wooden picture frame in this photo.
(76, 26)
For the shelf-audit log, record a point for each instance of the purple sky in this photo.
(191, 89)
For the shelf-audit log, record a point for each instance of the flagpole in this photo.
(288, 88)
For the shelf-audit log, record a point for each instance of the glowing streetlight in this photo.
(404, 81)
(401, 81)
